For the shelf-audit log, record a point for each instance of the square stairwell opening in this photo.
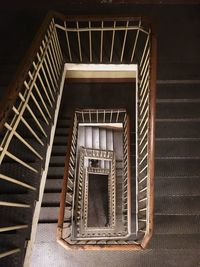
(101, 204)
(98, 209)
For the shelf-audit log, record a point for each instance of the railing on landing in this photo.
(29, 111)
(68, 216)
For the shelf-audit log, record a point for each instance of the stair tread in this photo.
(57, 160)
(175, 111)
(46, 232)
(51, 199)
(177, 167)
(184, 186)
(175, 241)
(176, 224)
(53, 185)
(55, 172)
(60, 140)
(177, 129)
(59, 150)
(177, 205)
(178, 148)
(174, 91)
(61, 131)
(49, 214)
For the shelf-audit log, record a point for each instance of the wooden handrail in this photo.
(110, 17)
(151, 137)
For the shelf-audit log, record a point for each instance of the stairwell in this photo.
(176, 216)
(177, 190)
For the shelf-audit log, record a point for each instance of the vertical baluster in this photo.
(43, 86)
(57, 42)
(90, 41)
(135, 43)
(52, 52)
(46, 79)
(124, 42)
(111, 113)
(40, 96)
(83, 119)
(55, 47)
(79, 42)
(145, 47)
(101, 48)
(113, 40)
(50, 62)
(117, 118)
(90, 116)
(53, 63)
(68, 44)
(54, 85)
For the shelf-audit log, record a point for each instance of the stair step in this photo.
(178, 111)
(15, 215)
(95, 137)
(57, 160)
(55, 172)
(177, 167)
(63, 123)
(60, 140)
(46, 232)
(62, 131)
(176, 224)
(59, 150)
(175, 241)
(88, 137)
(177, 186)
(177, 129)
(102, 136)
(178, 91)
(22, 174)
(118, 144)
(109, 140)
(177, 205)
(51, 199)
(170, 148)
(178, 100)
(162, 257)
(12, 241)
(53, 185)
(81, 136)
(48, 214)
(25, 199)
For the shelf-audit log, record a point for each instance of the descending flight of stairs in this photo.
(175, 241)
(176, 231)
(177, 186)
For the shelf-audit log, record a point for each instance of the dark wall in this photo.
(178, 32)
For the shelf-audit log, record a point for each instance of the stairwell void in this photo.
(110, 155)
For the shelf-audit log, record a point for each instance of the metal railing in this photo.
(124, 40)
(145, 125)
(83, 230)
(102, 40)
(28, 118)
(71, 211)
(29, 110)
